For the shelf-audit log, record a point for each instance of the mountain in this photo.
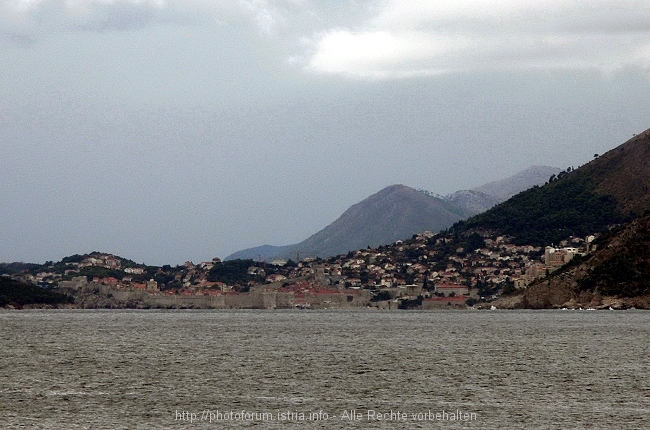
(611, 189)
(471, 201)
(503, 189)
(482, 198)
(624, 174)
(398, 212)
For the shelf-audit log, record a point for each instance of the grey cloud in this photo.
(403, 41)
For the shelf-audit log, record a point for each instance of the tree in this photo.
(382, 295)
(474, 242)
(364, 277)
(231, 272)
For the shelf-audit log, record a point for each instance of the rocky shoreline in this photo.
(585, 300)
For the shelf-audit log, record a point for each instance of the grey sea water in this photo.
(324, 369)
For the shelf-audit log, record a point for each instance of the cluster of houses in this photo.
(427, 271)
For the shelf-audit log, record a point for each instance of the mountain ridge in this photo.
(611, 189)
(608, 268)
(503, 189)
(394, 213)
(391, 214)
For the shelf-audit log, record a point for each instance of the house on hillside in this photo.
(275, 277)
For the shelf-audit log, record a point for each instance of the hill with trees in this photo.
(621, 267)
(612, 189)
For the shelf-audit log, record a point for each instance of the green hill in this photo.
(613, 188)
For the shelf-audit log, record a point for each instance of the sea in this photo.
(272, 369)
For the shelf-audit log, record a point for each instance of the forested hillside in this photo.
(612, 189)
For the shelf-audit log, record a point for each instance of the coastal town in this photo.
(428, 271)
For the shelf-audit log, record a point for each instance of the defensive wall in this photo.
(262, 297)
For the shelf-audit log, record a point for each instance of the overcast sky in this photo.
(165, 131)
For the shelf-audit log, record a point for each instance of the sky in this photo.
(165, 131)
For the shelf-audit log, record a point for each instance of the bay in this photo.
(127, 369)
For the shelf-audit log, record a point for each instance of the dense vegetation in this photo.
(19, 294)
(101, 272)
(232, 272)
(567, 206)
(16, 268)
(411, 303)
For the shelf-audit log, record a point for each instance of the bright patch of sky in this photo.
(411, 38)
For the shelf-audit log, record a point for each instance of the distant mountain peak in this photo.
(395, 212)
(398, 212)
(472, 201)
(503, 189)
